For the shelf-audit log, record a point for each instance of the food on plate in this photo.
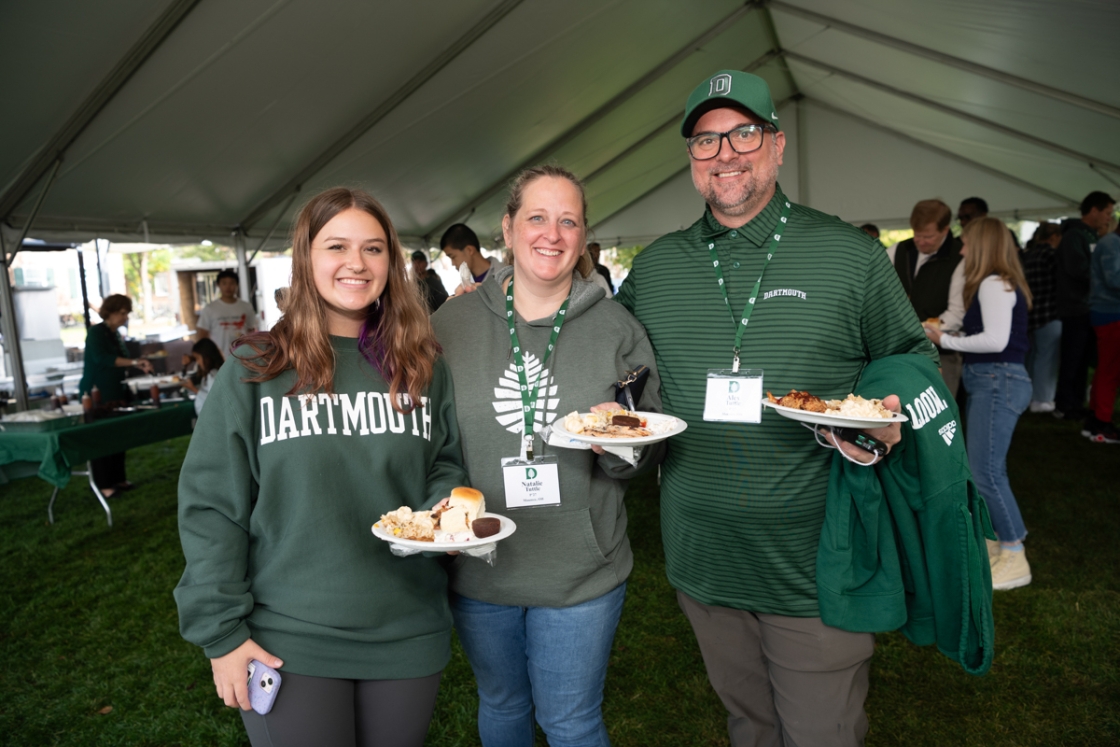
(799, 401)
(608, 424)
(453, 522)
(487, 526)
(852, 406)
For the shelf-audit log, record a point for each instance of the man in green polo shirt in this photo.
(743, 493)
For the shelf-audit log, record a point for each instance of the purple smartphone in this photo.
(264, 684)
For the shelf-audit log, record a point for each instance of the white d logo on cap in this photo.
(720, 85)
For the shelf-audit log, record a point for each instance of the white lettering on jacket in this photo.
(362, 414)
(785, 292)
(925, 407)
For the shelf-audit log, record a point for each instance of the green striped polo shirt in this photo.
(742, 504)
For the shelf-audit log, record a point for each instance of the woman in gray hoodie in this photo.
(530, 344)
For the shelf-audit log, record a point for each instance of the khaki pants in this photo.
(951, 364)
(785, 681)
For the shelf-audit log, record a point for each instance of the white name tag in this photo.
(531, 483)
(734, 397)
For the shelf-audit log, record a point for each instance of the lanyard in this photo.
(742, 324)
(529, 396)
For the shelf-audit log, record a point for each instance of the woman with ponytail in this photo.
(340, 413)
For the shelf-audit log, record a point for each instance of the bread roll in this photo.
(470, 500)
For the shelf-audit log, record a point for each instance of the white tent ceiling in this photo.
(189, 119)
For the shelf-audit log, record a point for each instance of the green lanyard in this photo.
(529, 396)
(742, 324)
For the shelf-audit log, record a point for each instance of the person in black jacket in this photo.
(1073, 281)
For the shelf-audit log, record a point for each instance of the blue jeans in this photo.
(553, 659)
(998, 393)
(1042, 360)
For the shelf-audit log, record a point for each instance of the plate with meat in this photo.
(618, 427)
(851, 412)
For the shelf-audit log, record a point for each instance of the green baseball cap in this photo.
(732, 86)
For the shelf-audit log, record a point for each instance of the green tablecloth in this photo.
(57, 452)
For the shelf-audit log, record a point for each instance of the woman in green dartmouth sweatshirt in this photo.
(340, 413)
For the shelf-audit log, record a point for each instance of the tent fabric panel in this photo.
(863, 175)
(241, 115)
(1059, 121)
(538, 74)
(673, 206)
(1065, 45)
(53, 55)
(1018, 158)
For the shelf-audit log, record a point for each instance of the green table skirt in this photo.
(57, 452)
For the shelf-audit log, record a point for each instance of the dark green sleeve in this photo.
(102, 349)
(446, 470)
(889, 324)
(216, 489)
(627, 292)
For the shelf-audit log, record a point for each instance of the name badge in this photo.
(734, 396)
(531, 482)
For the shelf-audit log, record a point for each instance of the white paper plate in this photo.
(508, 528)
(840, 421)
(650, 417)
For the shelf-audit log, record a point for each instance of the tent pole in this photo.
(945, 59)
(100, 272)
(7, 302)
(85, 291)
(275, 224)
(991, 125)
(242, 266)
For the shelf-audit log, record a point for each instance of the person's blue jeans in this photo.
(553, 659)
(1042, 360)
(998, 393)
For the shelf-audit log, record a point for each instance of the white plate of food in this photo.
(461, 524)
(851, 412)
(506, 524)
(618, 427)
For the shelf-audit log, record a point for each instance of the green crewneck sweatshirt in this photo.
(276, 500)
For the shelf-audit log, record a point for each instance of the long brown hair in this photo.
(396, 337)
(991, 252)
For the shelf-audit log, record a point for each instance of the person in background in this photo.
(1074, 280)
(461, 246)
(431, 287)
(929, 266)
(104, 366)
(226, 318)
(594, 250)
(208, 359)
(994, 341)
(1104, 315)
(537, 626)
(870, 229)
(280, 296)
(1043, 325)
(971, 208)
(342, 412)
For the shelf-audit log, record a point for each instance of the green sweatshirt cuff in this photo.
(223, 646)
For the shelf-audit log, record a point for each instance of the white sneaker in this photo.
(1011, 570)
(1042, 407)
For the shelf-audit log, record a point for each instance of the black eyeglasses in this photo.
(744, 139)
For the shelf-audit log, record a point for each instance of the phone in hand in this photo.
(264, 685)
(861, 439)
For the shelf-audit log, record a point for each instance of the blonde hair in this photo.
(991, 252)
(396, 337)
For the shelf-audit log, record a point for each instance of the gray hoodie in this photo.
(574, 552)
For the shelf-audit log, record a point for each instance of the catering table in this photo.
(58, 452)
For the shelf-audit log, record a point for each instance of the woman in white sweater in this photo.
(993, 339)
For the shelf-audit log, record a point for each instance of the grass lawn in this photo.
(90, 652)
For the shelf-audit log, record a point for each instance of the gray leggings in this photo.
(346, 713)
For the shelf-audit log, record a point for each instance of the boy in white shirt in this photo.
(227, 318)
